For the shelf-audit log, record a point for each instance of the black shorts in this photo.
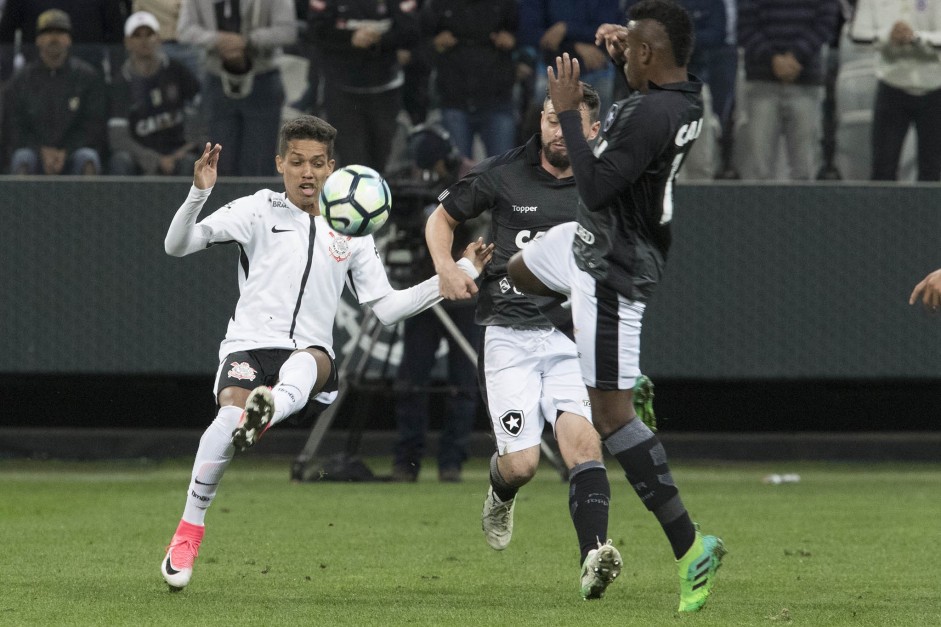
(249, 369)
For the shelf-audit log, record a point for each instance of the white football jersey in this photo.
(292, 269)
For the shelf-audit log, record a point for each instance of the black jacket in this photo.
(331, 27)
(64, 108)
(474, 73)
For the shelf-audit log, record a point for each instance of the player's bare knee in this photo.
(519, 467)
(233, 396)
(577, 438)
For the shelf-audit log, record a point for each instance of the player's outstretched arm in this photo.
(929, 291)
(398, 305)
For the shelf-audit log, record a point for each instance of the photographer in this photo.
(434, 163)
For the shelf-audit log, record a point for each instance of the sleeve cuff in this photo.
(467, 266)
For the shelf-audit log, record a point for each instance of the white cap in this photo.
(141, 18)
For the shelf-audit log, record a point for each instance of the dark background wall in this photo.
(784, 307)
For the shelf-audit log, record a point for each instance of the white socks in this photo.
(213, 455)
(296, 379)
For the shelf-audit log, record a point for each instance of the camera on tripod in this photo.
(434, 163)
(407, 258)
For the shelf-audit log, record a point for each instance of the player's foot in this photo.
(177, 564)
(697, 571)
(643, 401)
(601, 567)
(259, 407)
(497, 521)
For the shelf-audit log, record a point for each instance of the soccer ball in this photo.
(355, 200)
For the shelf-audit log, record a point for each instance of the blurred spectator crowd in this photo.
(796, 89)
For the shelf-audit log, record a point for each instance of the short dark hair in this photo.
(676, 22)
(590, 99)
(306, 127)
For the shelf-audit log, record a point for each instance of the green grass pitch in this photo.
(847, 545)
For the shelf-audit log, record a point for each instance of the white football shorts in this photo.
(607, 325)
(530, 376)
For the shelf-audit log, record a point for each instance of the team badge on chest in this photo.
(339, 246)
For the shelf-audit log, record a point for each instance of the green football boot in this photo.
(697, 570)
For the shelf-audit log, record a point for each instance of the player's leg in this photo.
(508, 473)
(609, 348)
(246, 409)
(234, 380)
(566, 406)
(511, 387)
(304, 373)
(589, 499)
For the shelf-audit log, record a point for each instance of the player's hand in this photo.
(207, 167)
(564, 88)
(454, 284)
(614, 38)
(929, 291)
(479, 253)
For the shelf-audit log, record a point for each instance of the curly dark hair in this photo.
(306, 127)
(676, 22)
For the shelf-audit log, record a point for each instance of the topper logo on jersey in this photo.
(526, 236)
(521, 209)
(512, 422)
(241, 371)
(688, 132)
